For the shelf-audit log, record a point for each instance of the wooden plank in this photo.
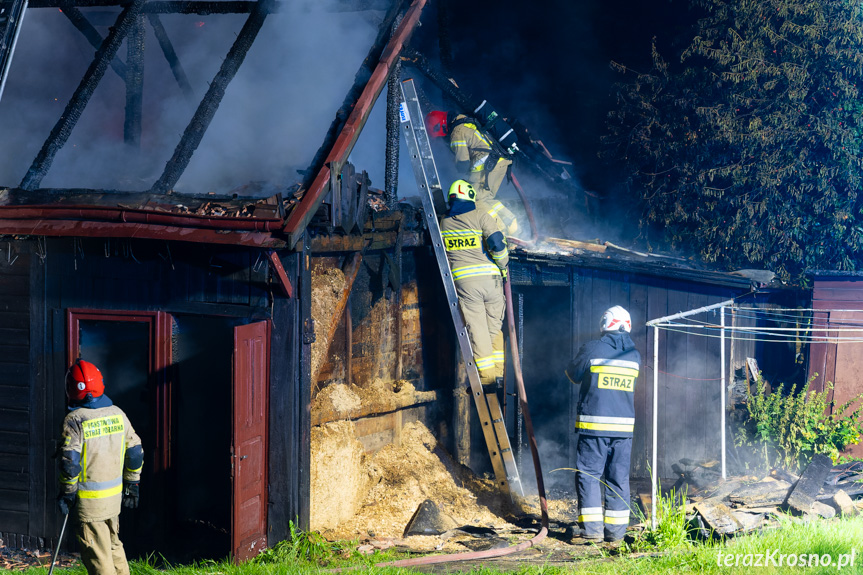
(761, 494)
(810, 483)
(14, 442)
(10, 286)
(42, 502)
(15, 336)
(15, 320)
(18, 303)
(718, 517)
(14, 420)
(9, 353)
(13, 500)
(20, 480)
(15, 522)
(15, 397)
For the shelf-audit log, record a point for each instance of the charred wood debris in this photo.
(718, 509)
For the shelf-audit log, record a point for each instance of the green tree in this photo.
(749, 151)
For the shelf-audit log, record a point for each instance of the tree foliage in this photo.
(749, 151)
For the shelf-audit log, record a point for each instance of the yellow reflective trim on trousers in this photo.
(484, 362)
(617, 520)
(590, 518)
(499, 356)
(604, 426)
(614, 370)
(477, 270)
(101, 493)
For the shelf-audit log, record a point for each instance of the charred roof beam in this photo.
(91, 34)
(171, 56)
(212, 99)
(72, 113)
(202, 7)
(360, 100)
(132, 125)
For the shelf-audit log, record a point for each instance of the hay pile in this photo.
(339, 478)
(327, 287)
(420, 469)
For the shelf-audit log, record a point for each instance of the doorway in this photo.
(195, 389)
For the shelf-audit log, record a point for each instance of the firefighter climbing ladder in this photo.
(487, 406)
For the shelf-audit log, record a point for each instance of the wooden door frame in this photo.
(159, 360)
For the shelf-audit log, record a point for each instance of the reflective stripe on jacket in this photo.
(607, 371)
(475, 245)
(469, 144)
(95, 445)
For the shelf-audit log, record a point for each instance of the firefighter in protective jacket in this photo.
(606, 370)
(100, 467)
(478, 256)
(476, 155)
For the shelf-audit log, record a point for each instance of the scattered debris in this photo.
(428, 520)
(22, 559)
(807, 488)
(745, 504)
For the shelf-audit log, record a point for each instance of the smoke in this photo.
(271, 121)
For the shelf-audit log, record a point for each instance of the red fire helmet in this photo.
(436, 124)
(83, 379)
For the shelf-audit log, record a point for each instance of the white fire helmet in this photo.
(615, 319)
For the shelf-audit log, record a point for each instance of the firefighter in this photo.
(477, 156)
(477, 253)
(100, 466)
(606, 370)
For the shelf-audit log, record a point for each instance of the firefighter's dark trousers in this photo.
(595, 457)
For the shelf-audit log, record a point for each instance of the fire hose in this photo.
(534, 449)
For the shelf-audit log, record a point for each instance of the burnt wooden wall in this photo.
(689, 386)
(22, 468)
(48, 277)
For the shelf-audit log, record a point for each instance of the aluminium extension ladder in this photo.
(487, 405)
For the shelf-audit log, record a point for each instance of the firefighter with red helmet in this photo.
(100, 466)
(478, 256)
(483, 163)
(606, 371)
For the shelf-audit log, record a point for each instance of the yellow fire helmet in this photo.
(462, 190)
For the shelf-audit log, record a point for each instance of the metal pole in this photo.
(722, 391)
(653, 468)
(59, 542)
(653, 322)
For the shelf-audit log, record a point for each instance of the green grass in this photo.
(832, 538)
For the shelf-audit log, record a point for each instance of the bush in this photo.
(789, 428)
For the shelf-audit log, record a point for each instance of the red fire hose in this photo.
(534, 449)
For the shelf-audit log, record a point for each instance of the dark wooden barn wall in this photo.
(21, 508)
(41, 279)
(689, 385)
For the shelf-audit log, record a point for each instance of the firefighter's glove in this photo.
(66, 501)
(130, 495)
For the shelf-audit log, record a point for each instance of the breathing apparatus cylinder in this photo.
(496, 127)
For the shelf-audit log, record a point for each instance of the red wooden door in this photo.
(249, 444)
